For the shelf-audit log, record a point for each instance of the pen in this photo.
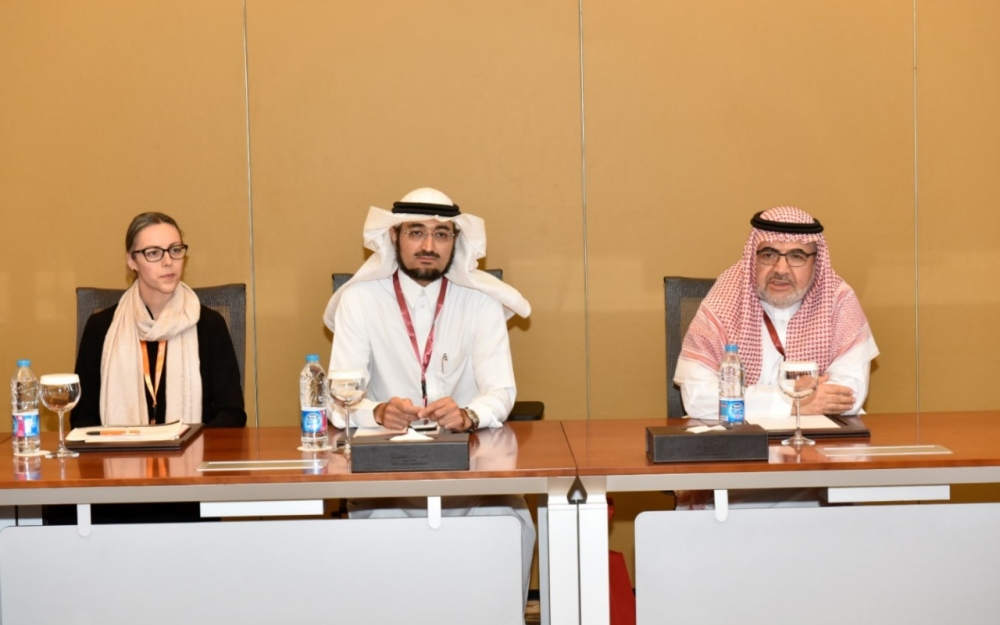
(113, 433)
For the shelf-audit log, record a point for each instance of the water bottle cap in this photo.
(732, 347)
(312, 358)
(23, 363)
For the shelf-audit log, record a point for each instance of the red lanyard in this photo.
(774, 334)
(429, 345)
(153, 388)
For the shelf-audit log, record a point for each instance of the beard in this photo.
(429, 275)
(788, 299)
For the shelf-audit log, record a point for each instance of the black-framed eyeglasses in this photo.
(417, 235)
(794, 258)
(155, 254)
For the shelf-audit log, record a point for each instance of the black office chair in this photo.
(229, 300)
(522, 410)
(682, 298)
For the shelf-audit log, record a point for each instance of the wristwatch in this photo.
(472, 417)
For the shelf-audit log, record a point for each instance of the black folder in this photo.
(849, 427)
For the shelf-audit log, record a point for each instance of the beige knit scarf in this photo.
(123, 389)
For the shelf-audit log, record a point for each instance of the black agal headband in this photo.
(783, 226)
(421, 208)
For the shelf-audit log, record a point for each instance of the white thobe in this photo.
(700, 385)
(470, 361)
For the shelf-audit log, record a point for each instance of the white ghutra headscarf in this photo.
(829, 323)
(470, 246)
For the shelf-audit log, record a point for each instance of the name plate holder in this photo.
(309, 464)
(883, 450)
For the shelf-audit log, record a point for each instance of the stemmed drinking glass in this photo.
(347, 388)
(60, 392)
(798, 380)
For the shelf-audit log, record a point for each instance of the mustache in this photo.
(427, 255)
(780, 276)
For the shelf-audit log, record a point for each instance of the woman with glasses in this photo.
(159, 355)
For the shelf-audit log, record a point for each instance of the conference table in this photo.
(277, 556)
(873, 549)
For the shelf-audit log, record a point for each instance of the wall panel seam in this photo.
(583, 207)
(916, 224)
(253, 274)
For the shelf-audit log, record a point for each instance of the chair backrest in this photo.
(229, 300)
(683, 297)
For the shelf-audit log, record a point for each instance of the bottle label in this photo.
(313, 420)
(731, 410)
(25, 424)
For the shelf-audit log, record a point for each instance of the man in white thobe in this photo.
(429, 329)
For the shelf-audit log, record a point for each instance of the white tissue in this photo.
(699, 429)
(410, 436)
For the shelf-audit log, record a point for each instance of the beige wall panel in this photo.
(958, 96)
(700, 114)
(110, 109)
(353, 104)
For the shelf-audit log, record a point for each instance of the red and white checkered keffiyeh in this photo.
(829, 322)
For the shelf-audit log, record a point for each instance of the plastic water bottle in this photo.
(312, 399)
(24, 408)
(731, 386)
(27, 468)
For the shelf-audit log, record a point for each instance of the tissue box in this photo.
(676, 444)
(449, 451)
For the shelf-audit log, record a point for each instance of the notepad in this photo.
(105, 434)
(809, 422)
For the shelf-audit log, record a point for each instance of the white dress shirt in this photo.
(700, 385)
(470, 361)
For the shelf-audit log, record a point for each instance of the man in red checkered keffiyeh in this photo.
(784, 281)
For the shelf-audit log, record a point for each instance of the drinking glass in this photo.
(347, 388)
(60, 392)
(798, 380)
